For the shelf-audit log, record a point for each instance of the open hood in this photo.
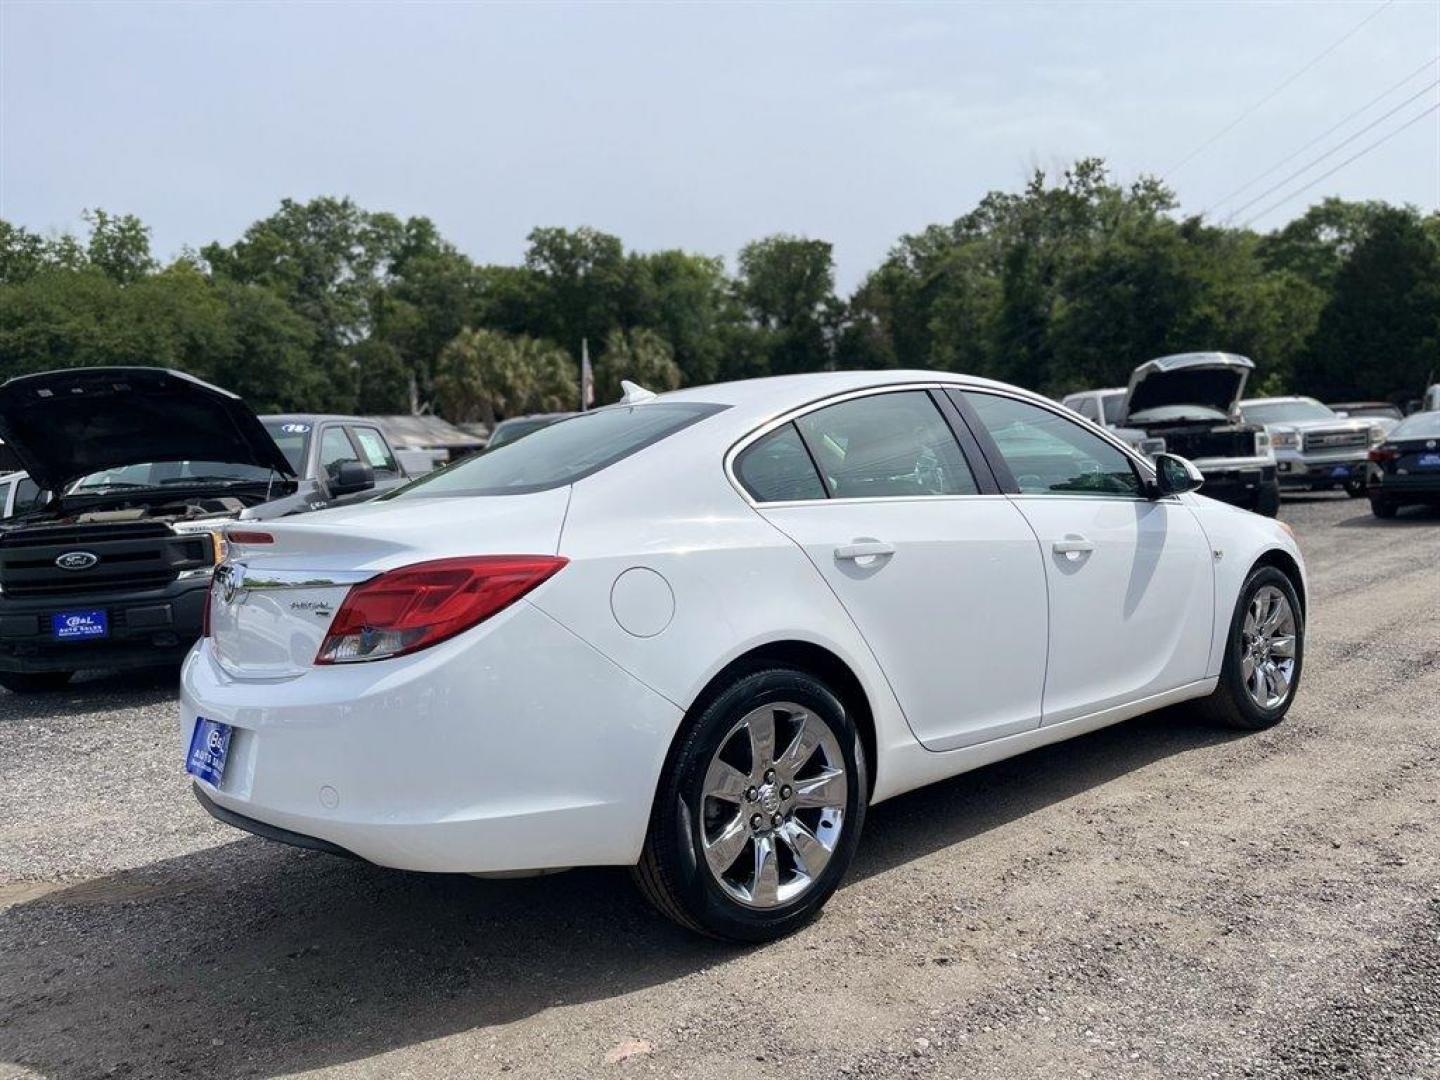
(62, 425)
(1213, 380)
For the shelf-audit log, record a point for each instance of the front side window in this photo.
(561, 453)
(1085, 406)
(886, 445)
(1050, 455)
(1114, 406)
(335, 450)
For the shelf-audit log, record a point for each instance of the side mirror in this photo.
(1175, 475)
(352, 476)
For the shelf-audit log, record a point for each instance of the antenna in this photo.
(634, 393)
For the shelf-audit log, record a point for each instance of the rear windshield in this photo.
(292, 437)
(562, 453)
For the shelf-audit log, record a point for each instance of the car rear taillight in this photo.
(1382, 454)
(417, 606)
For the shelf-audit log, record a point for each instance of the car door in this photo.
(1130, 577)
(938, 570)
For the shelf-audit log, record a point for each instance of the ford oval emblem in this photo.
(77, 560)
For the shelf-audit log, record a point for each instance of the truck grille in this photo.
(1213, 444)
(1336, 440)
(124, 560)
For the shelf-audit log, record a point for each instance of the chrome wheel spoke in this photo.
(761, 726)
(1247, 668)
(765, 885)
(803, 746)
(1283, 646)
(724, 781)
(810, 852)
(826, 791)
(722, 852)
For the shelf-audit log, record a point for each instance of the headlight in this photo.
(1262, 443)
(1284, 439)
(1377, 436)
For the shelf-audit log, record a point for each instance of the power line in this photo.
(1273, 93)
(1338, 146)
(1328, 131)
(1359, 154)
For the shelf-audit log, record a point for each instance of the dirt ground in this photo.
(1155, 900)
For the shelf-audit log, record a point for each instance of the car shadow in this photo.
(95, 691)
(254, 959)
(1405, 515)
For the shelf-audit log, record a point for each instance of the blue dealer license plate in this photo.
(209, 746)
(79, 625)
(1429, 461)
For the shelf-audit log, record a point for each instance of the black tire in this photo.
(1356, 487)
(672, 872)
(1230, 705)
(34, 682)
(1267, 500)
(1382, 507)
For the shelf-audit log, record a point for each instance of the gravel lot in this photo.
(1154, 900)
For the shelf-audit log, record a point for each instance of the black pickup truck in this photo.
(144, 469)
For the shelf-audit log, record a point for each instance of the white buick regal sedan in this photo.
(700, 633)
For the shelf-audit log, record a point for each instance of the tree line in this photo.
(1066, 284)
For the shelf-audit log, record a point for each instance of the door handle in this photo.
(1072, 547)
(868, 550)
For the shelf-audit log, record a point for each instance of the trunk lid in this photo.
(273, 603)
(1211, 380)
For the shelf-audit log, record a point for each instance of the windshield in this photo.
(562, 453)
(1421, 425)
(293, 437)
(1274, 412)
(1380, 412)
(1114, 406)
(1162, 413)
(510, 430)
(159, 474)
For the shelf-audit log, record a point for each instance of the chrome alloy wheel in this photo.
(769, 821)
(1267, 648)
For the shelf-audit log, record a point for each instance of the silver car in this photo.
(1315, 447)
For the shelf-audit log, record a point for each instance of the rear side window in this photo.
(1050, 455)
(561, 453)
(778, 468)
(886, 446)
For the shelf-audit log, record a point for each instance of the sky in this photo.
(699, 126)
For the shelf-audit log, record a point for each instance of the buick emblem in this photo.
(77, 560)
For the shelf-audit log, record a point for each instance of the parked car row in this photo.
(1188, 404)
(148, 467)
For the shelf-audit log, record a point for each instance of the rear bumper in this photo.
(514, 746)
(145, 628)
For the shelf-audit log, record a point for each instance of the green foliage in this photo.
(487, 375)
(1067, 283)
(640, 355)
(1379, 333)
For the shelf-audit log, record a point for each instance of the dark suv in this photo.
(145, 469)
